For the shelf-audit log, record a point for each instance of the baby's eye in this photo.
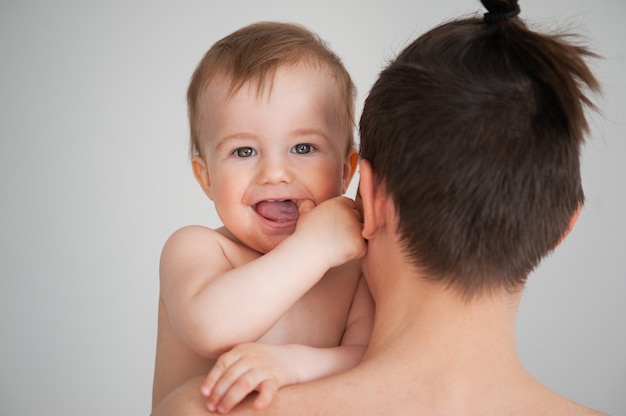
(244, 152)
(302, 148)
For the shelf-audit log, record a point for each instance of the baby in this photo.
(277, 292)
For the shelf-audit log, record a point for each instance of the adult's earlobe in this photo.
(572, 222)
(370, 200)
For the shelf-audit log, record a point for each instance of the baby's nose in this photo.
(276, 170)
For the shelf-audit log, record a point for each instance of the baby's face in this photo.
(267, 152)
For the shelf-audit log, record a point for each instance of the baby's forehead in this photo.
(261, 83)
(227, 92)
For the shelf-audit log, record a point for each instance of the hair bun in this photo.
(500, 10)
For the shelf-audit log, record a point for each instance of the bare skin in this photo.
(276, 296)
(318, 319)
(336, 311)
(431, 353)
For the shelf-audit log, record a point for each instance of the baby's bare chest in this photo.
(319, 317)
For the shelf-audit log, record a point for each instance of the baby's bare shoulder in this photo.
(200, 244)
(193, 233)
(198, 239)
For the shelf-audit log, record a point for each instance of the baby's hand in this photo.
(246, 368)
(335, 226)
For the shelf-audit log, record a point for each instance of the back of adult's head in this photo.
(476, 130)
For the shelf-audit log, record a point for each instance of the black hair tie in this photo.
(501, 17)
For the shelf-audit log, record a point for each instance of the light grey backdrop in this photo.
(94, 177)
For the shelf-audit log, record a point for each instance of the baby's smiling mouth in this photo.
(279, 211)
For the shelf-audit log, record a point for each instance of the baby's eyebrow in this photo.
(309, 132)
(223, 141)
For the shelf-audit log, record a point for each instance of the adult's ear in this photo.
(373, 200)
(201, 173)
(349, 168)
(572, 222)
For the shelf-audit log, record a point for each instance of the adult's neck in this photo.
(432, 316)
(447, 348)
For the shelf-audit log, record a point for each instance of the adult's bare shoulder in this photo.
(327, 396)
(553, 403)
(576, 409)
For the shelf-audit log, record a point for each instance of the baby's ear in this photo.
(349, 168)
(201, 173)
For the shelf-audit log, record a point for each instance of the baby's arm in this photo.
(213, 307)
(265, 368)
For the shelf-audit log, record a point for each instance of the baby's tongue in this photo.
(278, 210)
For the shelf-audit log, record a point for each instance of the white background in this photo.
(94, 176)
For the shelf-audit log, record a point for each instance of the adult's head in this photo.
(475, 131)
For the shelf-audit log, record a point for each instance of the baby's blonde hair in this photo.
(254, 53)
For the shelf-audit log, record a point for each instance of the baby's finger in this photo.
(223, 385)
(267, 390)
(207, 385)
(221, 365)
(305, 205)
(244, 385)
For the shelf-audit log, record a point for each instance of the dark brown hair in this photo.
(254, 53)
(475, 129)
